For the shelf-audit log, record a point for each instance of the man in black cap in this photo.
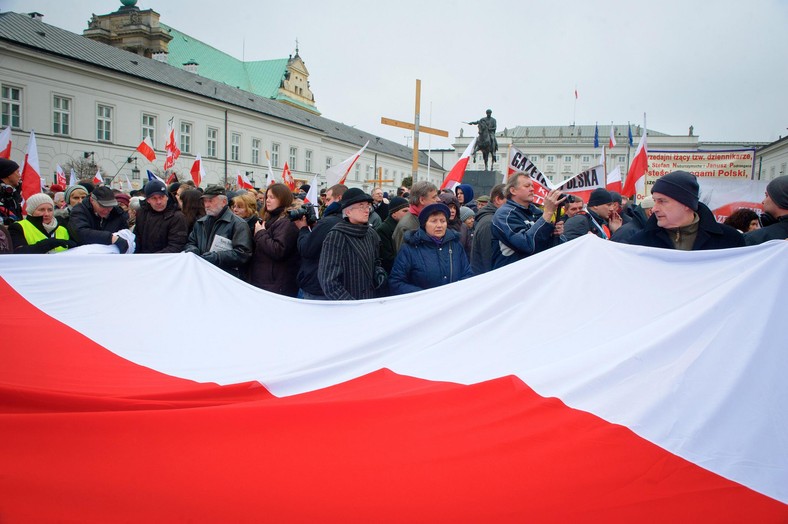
(397, 208)
(97, 219)
(10, 192)
(310, 242)
(679, 221)
(597, 218)
(774, 220)
(350, 264)
(221, 237)
(160, 224)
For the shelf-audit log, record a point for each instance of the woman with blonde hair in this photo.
(275, 260)
(245, 206)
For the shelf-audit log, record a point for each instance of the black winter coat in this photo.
(711, 234)
(160, 232)
(777, 230)
(275, 260)
(230, 227)
(310, 245)
(482, 247)
(86, 227)
(635, 224)
(347, 269)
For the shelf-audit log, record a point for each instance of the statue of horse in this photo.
(486, 143)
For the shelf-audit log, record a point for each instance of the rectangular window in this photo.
(256, 151)
(308, 161)
(533, 158)
(567, 158)
(213, 142)
(61, 115)
(621, 159)
(586, 159)
(328, 162)
(550, 158)
(274, 155)
(104, 123)
(293, 158)
(12, 107)
(149, 128)
(186, 137)
(235, 147)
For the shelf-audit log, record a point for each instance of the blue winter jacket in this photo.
(423, 264)
(518, 232)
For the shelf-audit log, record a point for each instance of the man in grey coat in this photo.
(220, 237)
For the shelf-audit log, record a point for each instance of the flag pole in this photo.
(629, 144)
(129, 160)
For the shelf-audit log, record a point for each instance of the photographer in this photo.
(275, 261)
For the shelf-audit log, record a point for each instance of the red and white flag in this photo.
(637, 169)
(5, 143)
(97, 178)
(146, 149)
(454, 177)
(171, 147)
(612, 143)
(243, 181)
(287, 178)
(173, 177)
(687, 425)
(520, 163)
(31, 171)
(60, 175)
(197, 171)
(338, 174)
(613, 182)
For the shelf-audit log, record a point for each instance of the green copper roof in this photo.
(262, 77)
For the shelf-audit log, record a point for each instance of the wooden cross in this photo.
(416, 128)
(379, 179)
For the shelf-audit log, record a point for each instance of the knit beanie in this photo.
(466, 213)
(778, 191)
(71, 189)
(154, 187)
(681, 186)
(7, 167)
(431, 210)
(37, 200)
(599, 196)
(647, 202)
(397, 203)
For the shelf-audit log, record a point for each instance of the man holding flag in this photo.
(519, 228)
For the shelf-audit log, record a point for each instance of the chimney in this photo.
(160, 57)
(191, 66)
(36, 16)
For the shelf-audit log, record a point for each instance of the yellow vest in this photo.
(33, 235)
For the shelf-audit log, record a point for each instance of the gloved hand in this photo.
(48, 244)
(71, 244)
(211, 257)
(122, 245)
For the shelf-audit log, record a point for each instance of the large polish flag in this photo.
(5, 143)
(673, 412)
(338, 174)
(197, 171)
(454, 176)
(613, 180)
(146, 149)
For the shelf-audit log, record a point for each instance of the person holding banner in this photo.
(519, 228)
(680, 221)
(775, 214)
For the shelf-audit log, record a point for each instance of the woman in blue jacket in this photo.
(431, 256)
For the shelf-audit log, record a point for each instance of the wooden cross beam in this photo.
(416, 128)
(379, 179)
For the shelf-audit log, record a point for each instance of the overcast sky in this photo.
(719, 66)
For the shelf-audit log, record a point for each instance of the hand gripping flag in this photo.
(146, 149)
(454, 177)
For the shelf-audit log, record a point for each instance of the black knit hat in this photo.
(599, 196)
(7, 167)
(431, 209)
(155, 187)
(397, 203)
(778, 191)
(352, 196)
(681, 186)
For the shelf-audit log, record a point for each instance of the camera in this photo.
(306, 210)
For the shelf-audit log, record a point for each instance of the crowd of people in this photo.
(353, 245)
